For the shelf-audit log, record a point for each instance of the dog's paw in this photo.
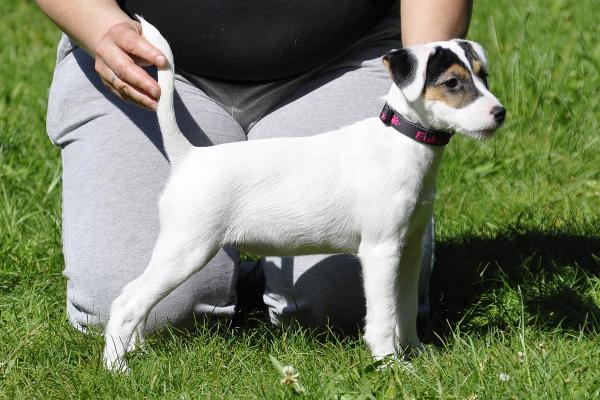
(114, 362)
(137, 339)
(118, 365)
(388, 362)
(411, 351)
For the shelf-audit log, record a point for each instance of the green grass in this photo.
(517, 285)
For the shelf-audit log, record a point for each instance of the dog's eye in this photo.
(451, 83)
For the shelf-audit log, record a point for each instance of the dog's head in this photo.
(445, 85)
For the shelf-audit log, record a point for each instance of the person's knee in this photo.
(91, 289)
(315, 291)
(84, 318)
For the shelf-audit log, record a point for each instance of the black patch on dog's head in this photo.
(402, 65)
(440, 62)
(449, 80)
(469, 52)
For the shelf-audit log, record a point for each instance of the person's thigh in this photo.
(113, 173)
(349, 90)
(318, 289)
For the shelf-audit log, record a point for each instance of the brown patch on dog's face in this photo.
(386, 64)
(388, 67)
(476, 67)
(458, 70)
(449, 81)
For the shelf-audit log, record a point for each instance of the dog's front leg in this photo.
(380, 270)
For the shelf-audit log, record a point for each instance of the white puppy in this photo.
(366, 189)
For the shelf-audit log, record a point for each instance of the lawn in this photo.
(516, 290)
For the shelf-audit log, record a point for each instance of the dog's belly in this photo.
(293, 249)
(285, 235)
(310, 195)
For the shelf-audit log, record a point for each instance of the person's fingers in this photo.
(122, 88)
(110, 87)
(120, 52)
(130, 94)
(136, 45)
(123, 65)
(140, 62)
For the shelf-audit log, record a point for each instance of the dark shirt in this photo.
(258, 40)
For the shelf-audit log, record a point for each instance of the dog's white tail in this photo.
(176, 145)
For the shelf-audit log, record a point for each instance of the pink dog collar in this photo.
(416, 132)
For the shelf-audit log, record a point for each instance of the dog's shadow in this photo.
(481, 283)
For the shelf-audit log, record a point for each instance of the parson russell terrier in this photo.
(366, 189)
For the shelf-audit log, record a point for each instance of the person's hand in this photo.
(120, 53)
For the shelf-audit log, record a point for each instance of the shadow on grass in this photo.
(482, 283)
(478, 284)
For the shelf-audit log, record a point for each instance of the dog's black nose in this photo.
(499, 113)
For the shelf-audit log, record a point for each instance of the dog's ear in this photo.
(407, 68)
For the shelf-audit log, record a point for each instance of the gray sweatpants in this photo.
(113, 172)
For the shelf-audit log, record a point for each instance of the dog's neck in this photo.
(431, 156)
(411, 112)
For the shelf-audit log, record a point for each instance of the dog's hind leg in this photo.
(176, 256)
(137, 339)
(407, 296)
(407, 281)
